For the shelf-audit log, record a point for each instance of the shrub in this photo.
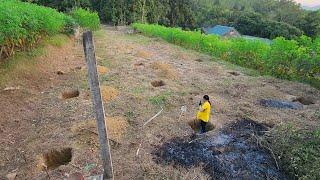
(288, 59)
(86, 19)
(297, 151)
(70, 25)
(23, 24)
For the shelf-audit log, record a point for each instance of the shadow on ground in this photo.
(231, 153)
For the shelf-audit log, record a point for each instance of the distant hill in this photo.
(311, 8)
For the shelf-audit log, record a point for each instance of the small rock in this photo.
(12, 175)
(199, 60)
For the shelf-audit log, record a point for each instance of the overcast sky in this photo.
(309, 2)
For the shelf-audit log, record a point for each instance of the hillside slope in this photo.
(129, 66)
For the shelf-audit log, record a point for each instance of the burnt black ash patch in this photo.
(232, 153)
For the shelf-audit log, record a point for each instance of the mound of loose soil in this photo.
(87, 130)
(304, 100)
(102, 70)
(195, 125)
(108, 93)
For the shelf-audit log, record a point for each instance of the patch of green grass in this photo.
(129, 114)
(27, 56)
(108, 78)
(161, 99)
(99, 34)
(297, 151)
(138, 90)
(106, 63)
(24, 61)
(142, 40)
(18, 64)
(57, 40)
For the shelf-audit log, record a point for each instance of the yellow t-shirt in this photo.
(205, 114)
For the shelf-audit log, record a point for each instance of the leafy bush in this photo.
(86, 19)
(23, 24)
(70, 25)
(297, 151)
(288, 59)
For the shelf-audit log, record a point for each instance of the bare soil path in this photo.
(139, 77)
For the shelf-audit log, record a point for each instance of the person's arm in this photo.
(203, 108)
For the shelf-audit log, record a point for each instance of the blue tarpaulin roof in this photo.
(218, 30)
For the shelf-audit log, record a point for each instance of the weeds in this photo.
(297, 151)
(161, 99)
(57, 40)
(138, 90)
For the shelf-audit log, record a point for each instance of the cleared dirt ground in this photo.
(139, 77)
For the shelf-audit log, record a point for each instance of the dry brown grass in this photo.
(108, 93)
(164, 70)
(153, 170)
(143, 54)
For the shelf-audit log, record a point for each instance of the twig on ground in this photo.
(46, 170)
(183, 109)
(138, 149)
(269, 149)
(153, 117)
(196, 139)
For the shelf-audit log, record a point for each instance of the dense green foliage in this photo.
(23, 24)
(287, 59)
(86, 19)
(263, 18)
(297, 151)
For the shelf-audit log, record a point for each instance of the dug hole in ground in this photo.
(49, 119)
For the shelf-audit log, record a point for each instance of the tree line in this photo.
(262, 18)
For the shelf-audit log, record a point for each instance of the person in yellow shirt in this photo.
(203, 114)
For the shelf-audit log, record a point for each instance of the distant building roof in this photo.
(219, 30)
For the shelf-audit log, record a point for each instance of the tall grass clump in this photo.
(287, 59)
(23, 24)
(86, 19)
